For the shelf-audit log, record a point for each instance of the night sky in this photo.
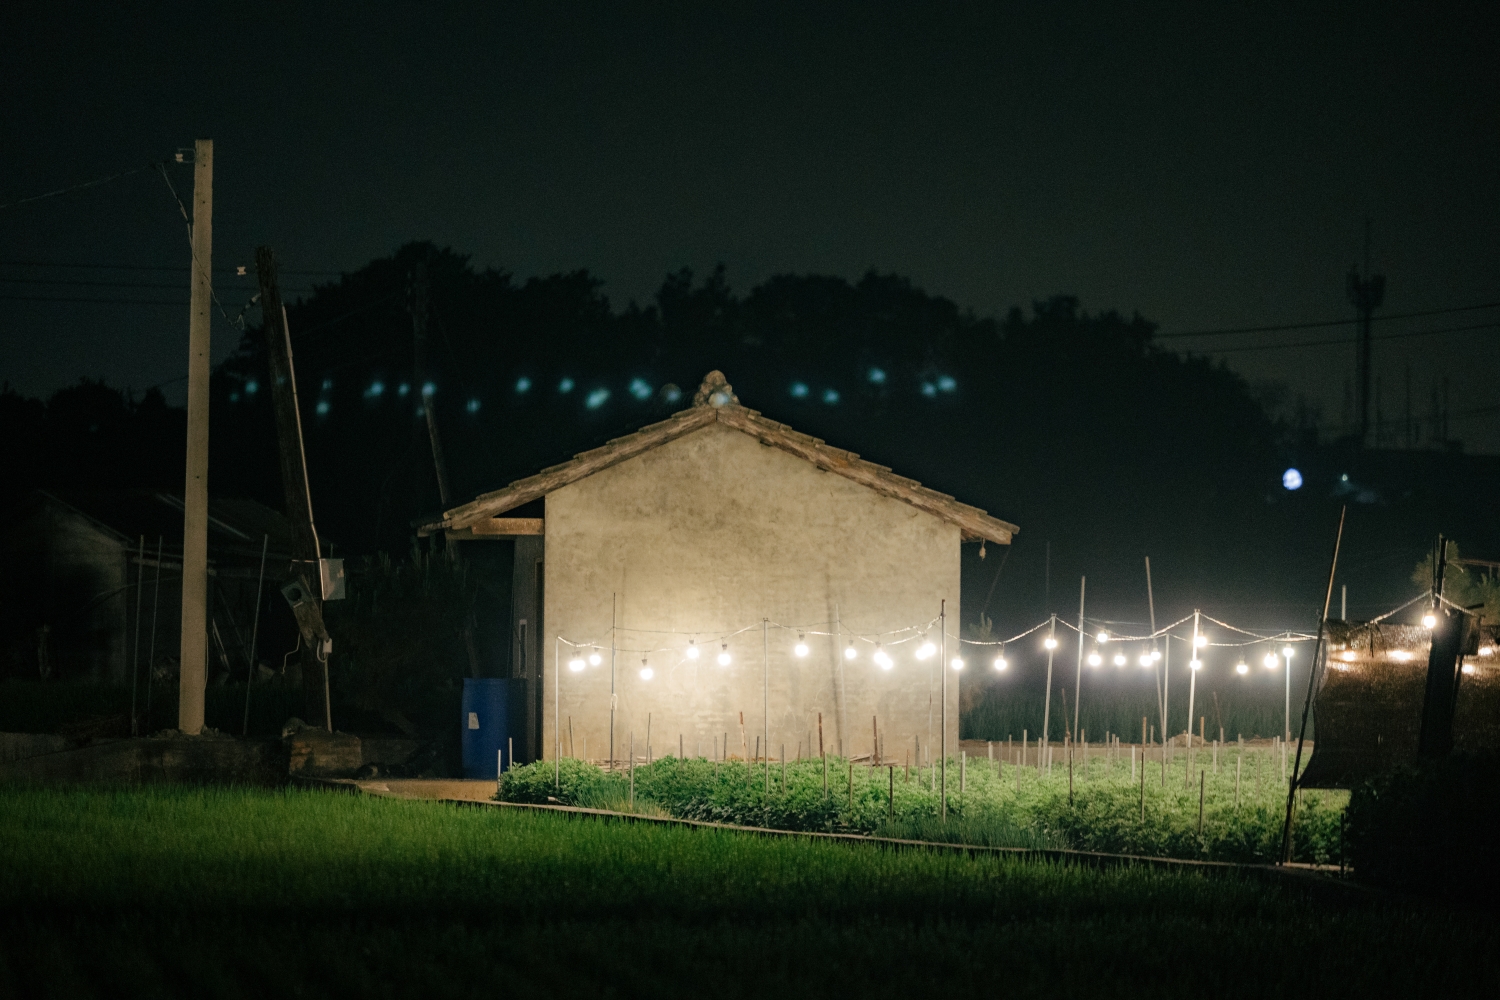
(1206, 169)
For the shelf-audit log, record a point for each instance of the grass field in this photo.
(217, 892)
(1011, 807)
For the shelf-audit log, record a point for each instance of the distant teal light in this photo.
(322, 407)
(472, 406)
(565, 386)
(799, 390)
(639, 389)
(877, 376)
(596, 399)
(251, 387)
(946, 383)
(929, 390)
(523, 384)
(831, 396)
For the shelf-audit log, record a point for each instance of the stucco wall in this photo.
(707, 535)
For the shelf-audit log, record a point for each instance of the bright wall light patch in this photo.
(1291, 479)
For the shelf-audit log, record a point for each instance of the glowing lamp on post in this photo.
(1195, 663)
(1200, 641)
(801, 648)
(1429, 620)
(1050, 643)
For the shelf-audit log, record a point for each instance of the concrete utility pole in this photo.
(298, 493)
(943, 666)
(419, 375)
(193, 677)
(1078, 681)
(1366, 293)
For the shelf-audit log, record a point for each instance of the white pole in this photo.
(556, 713)
(1192, 680)
(1047, 702)
(838, 630)
(1287, 705)
(765, 694)
(193, 654)
(1078, 682)
(943, 667)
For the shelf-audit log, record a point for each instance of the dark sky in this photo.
(1208, 169)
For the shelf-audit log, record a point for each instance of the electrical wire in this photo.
(1348, 340)
(78, 187)
(150, 267)
(1226, 331)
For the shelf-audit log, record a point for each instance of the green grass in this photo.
(218, 892)
(1104, 815)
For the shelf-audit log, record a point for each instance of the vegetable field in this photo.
(989, 802)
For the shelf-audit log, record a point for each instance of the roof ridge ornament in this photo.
(715, 391)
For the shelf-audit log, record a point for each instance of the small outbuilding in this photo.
(718, 581)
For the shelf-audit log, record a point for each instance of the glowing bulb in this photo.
(647, 673)
(1486, 650)
(1120, 659)
(1102, 637)
(692, 650)
(1095, 659)
(1000, 663)
(1195, 663)
(1270, 661)
(1468, 668)
(801, 648)
(1348, 656)
(926, 649)
(882, 658)
(957, 663)
(1286, 651)
(575, 664)
(595, 659)
(849, 651)
(1429, 620)
(1051, 643)
(1400, 655)
(1155, 655)
(724, 655)
(1242, 667)
(1200, 641)
(1146, 660)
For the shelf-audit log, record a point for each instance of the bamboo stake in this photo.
(1237, 762)
(1202, 775)
(891, 794)
(632, 769)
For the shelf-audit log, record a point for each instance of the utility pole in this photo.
(1366, 293)
(1078, 681)
(425, 388)
(193, 676)
(316, 644)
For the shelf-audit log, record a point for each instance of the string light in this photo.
(1429, 620)
(926, 649)
(1195, 663)
(1120, 659)
(692, 650)
(1242, 668)
(1050, 643)
(1146, 660)
(849, 651)
(1286, 651)
(1094, 658)
(646, 672)
(801, 648)
(1102, 637)
(594, 658)
(1270, 661)
(1200, 641)
(957, 663)
(882, 658)
(1000, 663)
(576, 663)
(724, 655)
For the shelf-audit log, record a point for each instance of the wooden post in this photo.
(1202, 775)
(891, 812)
(783, 769)
(1143, 779)
(265, 542)
(821, 752)
(632, 769)
(824, 754)
(851, 782)
(874, 740)
(510, 745)
(193, 654)
(1237, 762)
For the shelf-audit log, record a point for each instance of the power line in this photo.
(70, 282)
(1225, 331)
(1345, 341)
(78, 187)
(96, 301)
(141, 267)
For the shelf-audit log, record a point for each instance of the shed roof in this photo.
(715, 402)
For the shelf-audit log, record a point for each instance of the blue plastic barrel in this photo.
(490, 706)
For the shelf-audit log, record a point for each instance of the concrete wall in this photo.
(707, 535)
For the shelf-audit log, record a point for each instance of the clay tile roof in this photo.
(715, 402)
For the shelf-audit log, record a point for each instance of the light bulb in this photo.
(1200, 641)
(1270, 661)
(647, 673)
(1102, 637)
(1000, 663)
(926, 649)
(1146, 660)
(1195, 663)
(1051, 643)
(595, 659)
(1486, 650)
(957, 663)
(575, 664)
(1155, 655)
(1095, 659)
(849, 651)
(883, 658)
(801, 648)
(1120, 659)
(1242, 667)
(1429, 620)
(1286, 651)
(692, 650)
(724, 655)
